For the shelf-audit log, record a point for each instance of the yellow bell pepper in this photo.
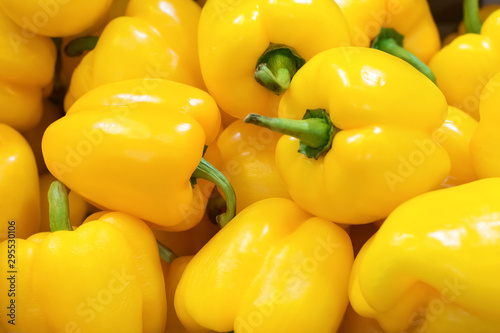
(26, 67)
(484, 145)
(433, 265)
(365, 142)
(269, 41)
(159, 42)
(69, 63)
(172, 273)
(274, 268)
(104, 276)
(463, 67)
(248, 157)
(78, 208)
(19, 188)
(411, 18)
(136, 146)
(455, 136)
(55, 18)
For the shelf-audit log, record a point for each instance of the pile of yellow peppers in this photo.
(248, 166)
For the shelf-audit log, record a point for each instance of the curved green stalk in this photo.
(390, 41)
(59, 207)
(207, 171)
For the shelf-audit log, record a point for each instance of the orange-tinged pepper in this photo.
(248, 157)
(55, 18)
(159, 42)
(411, 18)
(433, 264)
(19, 188)
(133, 146)
(460, 74)
(252, 27)
(115, 258)
(273, 262)
(484, 145)
(455, 135)
(365, 137)
(26, 67)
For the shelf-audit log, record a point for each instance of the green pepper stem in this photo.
(165, 253)
(77, 46)
(315, 131)
(390, 41)
(59, 207)
(472, 20)
(275, 83)
(207, 171)
(276, 67)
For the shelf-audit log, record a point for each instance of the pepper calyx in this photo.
(315, 131)
(276, 67)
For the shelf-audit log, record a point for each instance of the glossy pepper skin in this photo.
(411, 18)
(455, 136)
(160, 43)
(396, 278)
(228, 69)
(55, 18)
(69, 63)
(274, 260)
(114, 257)
(383, 154)
(484, 149)
(26, 67)
(248, 159)
(19, 188)
(173, 273)
(459, 74)
(132, 146)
